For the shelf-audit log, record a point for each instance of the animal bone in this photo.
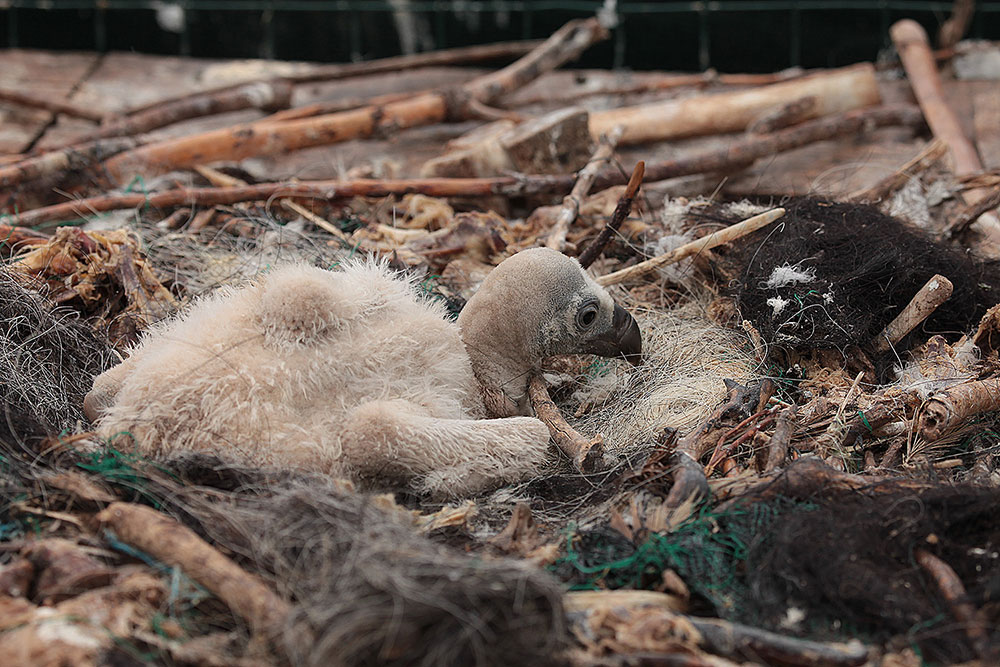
(352, 373)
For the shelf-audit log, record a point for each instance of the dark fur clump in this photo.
(846, 559)
(48, 361)
(866, 265)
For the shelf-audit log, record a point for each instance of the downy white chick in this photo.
(353, 373)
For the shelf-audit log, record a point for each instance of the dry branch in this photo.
(951, 31)
(269, 96)
(60, 161)
(174, 544)
(835, 91)
(735, 639)
(935, 291)
(618, 216)
(587, 454)
(953, 406)
(257, 140)
(572, 202)
(973, 212)
(777, 450)
(726, 235)
(915, 52)
(54, 106)
(923, 161)
(326, 190)
(953, 592)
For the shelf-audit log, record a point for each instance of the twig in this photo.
(973, 621)
(572, 202)
(924, 160)
(735, 639)
(266, 96)
(719, 453)
(174, 544)
(587, 454)
(784, 427)
(935, 291)
(914, 50)
(972, 212)
(622, 210)
(458, 56)
(952, 30)
(726, 235)
(954, 405)
(54, 106)
(257, 140)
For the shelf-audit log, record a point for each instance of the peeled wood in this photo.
(726, 235)
(834, 92)
(915, 52)
(935, 291)
(274, 138)
(587, 454)
(953, 406)
(174, 544)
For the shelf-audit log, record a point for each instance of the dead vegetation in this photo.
(803, 469)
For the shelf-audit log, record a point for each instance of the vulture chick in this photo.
(353, 373)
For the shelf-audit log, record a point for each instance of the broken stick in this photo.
(53, 106)
(923, 161)
(726, 235)
(572, 202)
(174, 544)
(953, 406)
(935, 291)
(587, 454)
(622, 210)
(66, 159)
(914, 50)
(953, 592)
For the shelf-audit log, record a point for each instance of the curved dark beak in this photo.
(622, 340)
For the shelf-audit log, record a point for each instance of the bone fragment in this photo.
(587, 454)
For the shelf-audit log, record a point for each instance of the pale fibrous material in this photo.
(353, 373)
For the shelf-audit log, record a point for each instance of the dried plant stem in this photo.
(973, 212)
(954, 594)
(935, 291)
(174, 544)
(587, 454)
(953, 406)
(618, 216)
(914, 50)
(584, 180)
(784, 427)
(257, 140)
(924, 160)
(726, 235)
(750, 643)
(54, 106)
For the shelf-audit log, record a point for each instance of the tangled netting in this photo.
(829, 275)
(48, 361)
(822, 563)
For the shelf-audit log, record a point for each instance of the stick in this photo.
(327, 190)
(76, 157)
(915, 52)
(971, 213)
(952, 30)
(266, 96)
(742, 152)
(572, 202)
(949, 408)
(920, 163)
(784, 427)
(935, 291)
(953, 592)
(622, 210)
(834, 91)
(726, 235)
(19, 237)
(53, 106)
(258, 140)
(174, 544)
(735, 639)
(587, 455)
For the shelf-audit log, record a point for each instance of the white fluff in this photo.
(777, 304)
(785, 275)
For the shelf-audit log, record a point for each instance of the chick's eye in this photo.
(586, 316)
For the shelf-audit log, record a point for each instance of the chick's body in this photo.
(312, 369)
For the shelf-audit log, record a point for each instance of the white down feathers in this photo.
(349, 372)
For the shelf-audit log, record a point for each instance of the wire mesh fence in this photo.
(730, 35)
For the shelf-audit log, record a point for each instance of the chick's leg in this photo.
(450, 457)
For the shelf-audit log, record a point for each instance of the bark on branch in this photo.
(587, 454)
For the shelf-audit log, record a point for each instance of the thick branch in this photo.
(63, 160)
(935, 291)
(953, 406)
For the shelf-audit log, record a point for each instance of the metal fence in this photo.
(680, 35)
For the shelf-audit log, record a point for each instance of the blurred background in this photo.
(728, 35)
